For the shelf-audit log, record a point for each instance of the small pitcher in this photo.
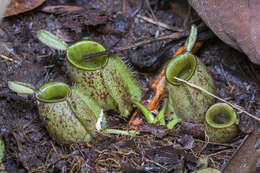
(68, 114)
(221, 124)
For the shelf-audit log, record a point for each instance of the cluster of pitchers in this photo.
(105, 82)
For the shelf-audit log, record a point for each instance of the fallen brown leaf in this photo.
(20, 6)
(237, 23)
(245, 158)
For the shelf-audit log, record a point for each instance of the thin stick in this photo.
(9, 59)
(187, 17)
(221, 99)
(151, 10)
(153, 15)
(163, 25)
(124, 6)
(225, 76)
(174, 36)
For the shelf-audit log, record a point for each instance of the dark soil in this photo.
(29, 148)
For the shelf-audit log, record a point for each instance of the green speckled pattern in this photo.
(61, 122)
(188, 103)
(121, 85)
(112, 85)
(88, 75)
(71, 119)
(93, 85)
(86, 109)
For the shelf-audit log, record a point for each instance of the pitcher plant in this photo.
(104, 78)
(186, 102)
(69, 115)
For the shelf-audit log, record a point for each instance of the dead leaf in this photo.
(237, 23)
(21, 6)
(76, 21)
(245, 158)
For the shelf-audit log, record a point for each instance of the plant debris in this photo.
(59, 9)
(20, 6)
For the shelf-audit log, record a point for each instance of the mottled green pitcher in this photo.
(106, 78)
(69, 115)
(189, 103)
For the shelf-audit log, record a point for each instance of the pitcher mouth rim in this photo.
(48, 85)
(170, 64)
(229, 111)
(73, 63)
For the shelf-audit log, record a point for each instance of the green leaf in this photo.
(191, 39)
(51, 40)
(2, 148)
(160, 116)
(173, 123)
(21, 88)
(147, 114)
(121, 132)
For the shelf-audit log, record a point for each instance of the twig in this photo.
(221, 99)
(124, 6)
(174, 36)
(18, 142)
(187, 17)
(158, 164)
(172, 28)
(150, 9)
(223, 71)
(153, 15)
(9, 59)
(223, 151)
(214, 143)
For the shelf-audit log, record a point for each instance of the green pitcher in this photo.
(68, 114)
(105, 78)
(221, 124)
(188, 103)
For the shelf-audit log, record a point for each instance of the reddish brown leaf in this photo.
(236, 22)
(20, 6)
